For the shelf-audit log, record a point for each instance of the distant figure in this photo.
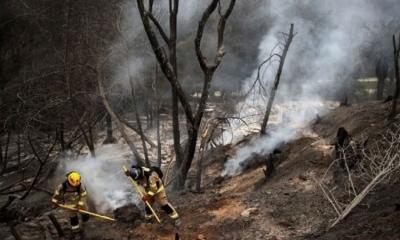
(343, 149)
(150, 179)
(72, 194)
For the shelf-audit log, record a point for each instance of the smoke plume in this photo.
(107, 186)
(319, 66)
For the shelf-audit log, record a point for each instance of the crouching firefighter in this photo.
(72, 193)
(150, 179)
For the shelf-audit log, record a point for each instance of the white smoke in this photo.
(105, 182)
(320, 60)
(293, 119)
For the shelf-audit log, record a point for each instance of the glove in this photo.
(127, 173)
(55, 203)
(78, 207)
(146, 198)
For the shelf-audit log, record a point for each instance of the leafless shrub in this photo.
(377, 163)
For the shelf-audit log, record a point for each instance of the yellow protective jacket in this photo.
(152, 183)
(68, 195)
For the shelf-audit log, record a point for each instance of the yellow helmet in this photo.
(74, 178)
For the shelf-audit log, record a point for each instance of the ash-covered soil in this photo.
(289, 205)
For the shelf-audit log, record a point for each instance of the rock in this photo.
(201, 237)
(128, 213)
(246, 213)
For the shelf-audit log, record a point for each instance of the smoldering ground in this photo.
(107, 186)
(320, 65)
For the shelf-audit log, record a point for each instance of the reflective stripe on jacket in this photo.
(70, 195)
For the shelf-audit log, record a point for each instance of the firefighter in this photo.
(73, 194)
(150, 180)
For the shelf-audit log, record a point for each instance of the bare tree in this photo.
(288, 40)
(169, 68)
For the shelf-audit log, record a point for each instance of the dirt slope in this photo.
(288, 206)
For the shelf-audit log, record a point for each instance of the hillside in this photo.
(288, 206)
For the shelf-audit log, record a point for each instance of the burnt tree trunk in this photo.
(150, 113)
(169, 67)
(61, 134)
(205, 139)
(139, 124)
(381, 71)
(396, 55)
(91, 140)
(157, 117)
(1, 152)
(67, 77)
(158, 135)
(208, 67)
(19, 149)
(173, 11)
(5, 156)
(277, 80)
(110, 138)
(176, 130)
(379, 88)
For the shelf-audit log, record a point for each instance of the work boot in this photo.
(177, 222)
(74, 221)
(77, 233)
(148, 217)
